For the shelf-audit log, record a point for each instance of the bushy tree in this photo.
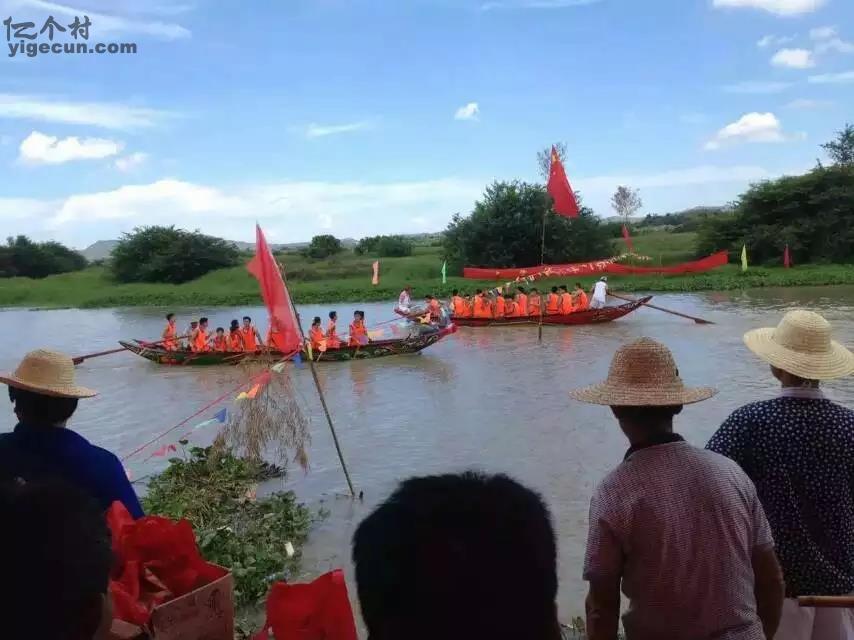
(841, 148)
(385, 246)
(505, 230)
(23, 257)
(626, 202)
(167, 254)
(323, 247)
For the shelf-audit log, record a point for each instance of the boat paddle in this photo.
(652, 306)
(97, 354)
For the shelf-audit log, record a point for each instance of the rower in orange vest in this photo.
(315, 335)
(220, 342)
(565, 301)
(358, 330)
(170, 333)
(535, 303)
(199, 339)
(481, 309)
(251, 338)
(458, 305)
(521, 302)
(235, 337)
(500, 306)
(189, 335)
(553, 302)
(581, 301)
(332, 339)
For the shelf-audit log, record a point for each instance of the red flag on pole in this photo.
(559, 189)
(787, 260)
(628, 239)
(284, 335)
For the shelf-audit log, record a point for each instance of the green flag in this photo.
(744, 257)
(445, 272)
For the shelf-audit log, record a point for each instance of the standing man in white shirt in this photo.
(600, 293)
(404, 301)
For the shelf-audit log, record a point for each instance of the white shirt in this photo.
(404, 301)
(600, 290)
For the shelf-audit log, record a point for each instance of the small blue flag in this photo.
(221, 415)
(298, 360)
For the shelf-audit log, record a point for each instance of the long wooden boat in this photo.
(591, 316)
(374, 349)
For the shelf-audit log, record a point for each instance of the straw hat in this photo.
(47, 372)
(801, 345)
(643, 374)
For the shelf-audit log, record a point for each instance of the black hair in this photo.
(247, 318)
(234, 325)
(648, 418)
(57, 561)
(563, 286)
(578, 284)
(203, 320)
(455, 293)
(218, 329)
(554, 289)
(478, 292)
(316, 320)
(333, 315)
(434, 560)
(361, 314)
(169, 316)
(534, 290)
(41, 410)
(520, 289)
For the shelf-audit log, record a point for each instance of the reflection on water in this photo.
(493, 399)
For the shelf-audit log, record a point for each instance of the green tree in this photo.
(23, 257)
(505, 230)
(841, 149)
(385, 246)
(323, 247)
(167, 254)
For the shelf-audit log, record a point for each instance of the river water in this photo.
(490, 399)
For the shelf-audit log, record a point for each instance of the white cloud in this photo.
(806, 104)
(823, 33)
(793, 59)
(779, 7)
(112, 23)
(757, 87)
(833, 78)
(132, 161)
(98, 114)
(535, 4)
(836, 45)
(768, 41)
(39, 148)
(751, 127)
(320, 130)
(704, 174)
(470, 111)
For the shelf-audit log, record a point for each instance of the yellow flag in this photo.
(744, 257)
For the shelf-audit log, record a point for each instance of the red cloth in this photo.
(628, 239)
(286, 337)
(598, 267)
(787, 260)
(319, 610)
(559, 189)
(156, 560)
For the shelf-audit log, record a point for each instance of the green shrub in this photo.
(322, 247)
(21, 257)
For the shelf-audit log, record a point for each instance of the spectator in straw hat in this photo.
(799, 451)
(45, 397)
(679, 528)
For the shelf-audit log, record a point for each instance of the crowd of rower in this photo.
(497, 304)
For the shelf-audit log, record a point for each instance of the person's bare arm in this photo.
(603, 609)
(769, 588)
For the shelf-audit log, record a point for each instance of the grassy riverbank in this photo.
(346, 278)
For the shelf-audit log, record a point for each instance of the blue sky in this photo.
(358, 118)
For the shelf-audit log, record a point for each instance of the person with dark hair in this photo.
(582, 302)
(41, 447)
(566, 307)
(535, 303)
(799, 450)
(458, 557)
(553, 302)
(199, 340)
(458, 305)
(358, 330)
(220, 342)
(192, 330)
(56, 557)
(170, 333)
(332, 339)
(315, 334)
(521, 302)
(251, 337)
(235, 337)
(679, 528)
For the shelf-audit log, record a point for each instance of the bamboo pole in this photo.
(321, 394)
(542, 264)
(88, 356)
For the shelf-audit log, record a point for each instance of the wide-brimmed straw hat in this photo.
(47, 372)
(801, 345)
(643, 374)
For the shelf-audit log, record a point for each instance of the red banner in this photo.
(608, 266)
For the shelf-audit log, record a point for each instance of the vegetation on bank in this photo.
(22, 257)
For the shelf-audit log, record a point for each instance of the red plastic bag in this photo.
(156, 560)
(319, 610)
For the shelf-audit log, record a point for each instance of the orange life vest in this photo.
(249, 342)
(521, 304)
(510, 308)
(481, 308)
(201, 341)
(220, 343)
(332, 339)
(316, 336)
(583, 302)
(358, 333)
(535, 304)
(459, 306)
(500, 307)
(169, 341)
(565, 303)
(552, 303)
(235, 340)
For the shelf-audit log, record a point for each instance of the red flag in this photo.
(787, 260)
(285, 335)
(559, 189)
(628, 239)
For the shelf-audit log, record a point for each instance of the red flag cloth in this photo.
(286, 336)
(787, 260)
(319, 610)
(558, 187)
(156, 560)
(628, 239)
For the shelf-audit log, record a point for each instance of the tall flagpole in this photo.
(320, 392)
(542, 264)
